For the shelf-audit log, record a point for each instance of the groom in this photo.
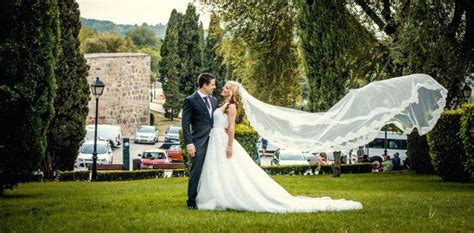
(197, 123)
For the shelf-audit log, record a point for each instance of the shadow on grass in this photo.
(16, 196)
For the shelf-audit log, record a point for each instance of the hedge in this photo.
(447, 149)
(326, 169)
(118, 175)
(418, 153)
(247, 138)
(467, 136)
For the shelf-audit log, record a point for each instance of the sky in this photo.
(137, 11)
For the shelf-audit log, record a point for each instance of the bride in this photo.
(230, 179)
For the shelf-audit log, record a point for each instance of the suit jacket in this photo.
(196, 122)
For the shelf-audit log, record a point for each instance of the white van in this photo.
(112, 133)
(396, 143)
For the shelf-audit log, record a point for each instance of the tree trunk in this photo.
(47, 165)
(336, 167)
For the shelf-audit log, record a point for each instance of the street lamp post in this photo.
(385, 143)
(97, 88)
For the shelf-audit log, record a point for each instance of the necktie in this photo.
(207, 103)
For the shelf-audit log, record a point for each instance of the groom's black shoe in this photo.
(191, 205)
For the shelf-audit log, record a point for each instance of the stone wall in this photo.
(126, 97)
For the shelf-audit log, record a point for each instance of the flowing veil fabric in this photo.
(413, 101)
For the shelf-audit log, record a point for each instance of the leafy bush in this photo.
(247, 138)
(447, 149)
(467, 136)
(418, 153)
(74, 175)
(184, 152)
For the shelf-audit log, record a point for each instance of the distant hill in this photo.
(121, 29)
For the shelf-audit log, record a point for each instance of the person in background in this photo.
(321, 159)
(387, 164)
(264, 146)
(396, 161)
(360, 154)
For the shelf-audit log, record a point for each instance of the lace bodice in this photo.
(220, 119)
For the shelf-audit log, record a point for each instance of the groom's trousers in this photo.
(195, 173)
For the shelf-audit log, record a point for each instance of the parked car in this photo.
(146, 134)
(108, 132)
(396, 143)
(288, 157)
(153, 156)
(172, 134)
(271, 148)
(174, 153)
(104, 153)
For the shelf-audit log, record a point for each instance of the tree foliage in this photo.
(433, 37)
(261, 48)
(143, 37)
(339, 53)
(66, 130)
(108, 43)
(214, 60)
(28, 51)
(190, 50)
(169, 67)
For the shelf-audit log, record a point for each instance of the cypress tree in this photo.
(214, 61)
(323, 39)
(169, 65)
(71, 104)
(28, 52)
(202, 44)
(418, 153)
(189, 50)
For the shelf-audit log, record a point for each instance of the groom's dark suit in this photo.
(197, 124)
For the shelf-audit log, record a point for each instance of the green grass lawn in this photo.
(397, 202)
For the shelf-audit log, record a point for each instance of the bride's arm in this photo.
(231, 112)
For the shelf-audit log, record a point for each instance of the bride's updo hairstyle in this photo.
(235, 97)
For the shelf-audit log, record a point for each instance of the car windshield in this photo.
(391, 143)
(174, 130)
(174, 147)
(146, 130)
(291, 157)
(154, 155)
(89, 148)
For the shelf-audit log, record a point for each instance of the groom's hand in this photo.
(191, 150)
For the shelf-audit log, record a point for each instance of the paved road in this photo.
(135, 149)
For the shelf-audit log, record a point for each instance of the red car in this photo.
(174, 153)
(154, 156)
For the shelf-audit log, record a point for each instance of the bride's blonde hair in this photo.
(235, 97)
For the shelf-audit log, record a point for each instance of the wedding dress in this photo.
(238, 183)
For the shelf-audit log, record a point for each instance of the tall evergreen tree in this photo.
(169, 67)
(418, 153)
(332, 43)
(189, 50)
(71, 103)
(28, 52)
(203, 49)
(214, 60)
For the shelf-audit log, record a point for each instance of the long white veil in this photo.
(413, 101)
